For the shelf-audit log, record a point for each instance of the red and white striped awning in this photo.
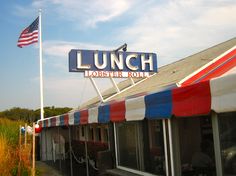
(220, 66)
(217, 94)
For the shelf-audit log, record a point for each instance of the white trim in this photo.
(215, 129)
(203, 67)
(115, 140)
(165, 147)
(137, 126)
(135, 171)
(171, 148)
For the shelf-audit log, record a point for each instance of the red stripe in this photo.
(117, 111)
(22, 36)
(66, 119)
(28, 39)
(221, 70)
(21, 45)
(84, 117)
(209, 68)
(28, 36)
(192, 100)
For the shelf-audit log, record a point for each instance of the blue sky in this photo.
(171, 28)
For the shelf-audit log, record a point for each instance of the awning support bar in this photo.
(96, 88)
(114, 84)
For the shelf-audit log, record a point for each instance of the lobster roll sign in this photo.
(118, 64)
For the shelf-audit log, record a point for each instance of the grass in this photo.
(10, 130)
(10, 152)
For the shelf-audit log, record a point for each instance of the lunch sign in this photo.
(118, 64)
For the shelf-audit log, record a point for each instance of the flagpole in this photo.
(41, 68)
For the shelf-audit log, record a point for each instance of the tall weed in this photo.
(10, 130)
(13, 159)
(8, 157)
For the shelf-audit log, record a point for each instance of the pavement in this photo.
(46, 170)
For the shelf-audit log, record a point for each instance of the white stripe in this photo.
(57, 120)
(28, 38)
(71, 118)
(93, 115)
(135, 109)
(28, 34)
(223, 93)
(28, 41)
(49, 122)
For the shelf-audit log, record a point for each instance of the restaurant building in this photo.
(179, 121)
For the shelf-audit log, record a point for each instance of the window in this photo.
(91, 133)
(140, 146)
(127, 143)
(105, 135)
(227, 130)
(98, 134)
(154, 160)
(196, 146)
(81, 133)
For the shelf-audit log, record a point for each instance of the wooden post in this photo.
(25, 134)
(19, 164)
(33, 151)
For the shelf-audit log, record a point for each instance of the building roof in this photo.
(167, 76)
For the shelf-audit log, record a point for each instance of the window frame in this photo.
(140, 156)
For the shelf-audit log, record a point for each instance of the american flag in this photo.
(29, 35)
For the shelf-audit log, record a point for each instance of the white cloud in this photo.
(56, 52)
(61, 49)
(173, 29)
(179, 28)
(92, 12)
(29, 10)
(70, 91)
(88, 13)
